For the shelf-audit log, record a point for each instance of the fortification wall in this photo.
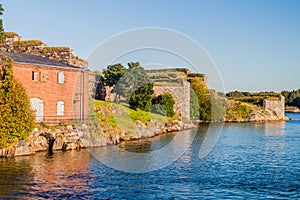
(181, 96)
(14, 43)
(276, 106)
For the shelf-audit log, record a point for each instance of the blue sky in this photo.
(255, 44)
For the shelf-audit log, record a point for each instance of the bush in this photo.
(142, 97)
(201, 95)
(164, 105)
(16, 117)
(238, 112)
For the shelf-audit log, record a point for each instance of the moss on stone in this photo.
(10, 34)
(54, 49)
(27, 42)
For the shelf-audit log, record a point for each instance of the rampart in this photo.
(181, 96)
(14, 43)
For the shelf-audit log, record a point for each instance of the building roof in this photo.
(37, 60)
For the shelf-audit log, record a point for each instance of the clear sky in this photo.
(254, 43)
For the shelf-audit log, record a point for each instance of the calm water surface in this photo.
(250, 161)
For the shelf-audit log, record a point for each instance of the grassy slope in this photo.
(117, 118)
(239, 111)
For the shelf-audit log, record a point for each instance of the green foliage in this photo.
(132, 84)
(164, 105)
(16, 117)
(194, 105)
(113, 73)
(140, 91)
(1, 25)
(238, 112)
(123, 118)
(27, 42)
(237, 94)
(247, 95)
(218, 107)
(292, 98)
(142, 97)
(202, 96)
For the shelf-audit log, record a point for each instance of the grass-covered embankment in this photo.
(118, 120)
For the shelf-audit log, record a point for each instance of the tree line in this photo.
(292, 98)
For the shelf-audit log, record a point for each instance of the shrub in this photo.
(142, 97)
(16, 117)
(238, 112)
(164, 105)
(201, 95)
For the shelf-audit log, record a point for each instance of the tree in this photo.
(113, 73)
(139, 89)
(136, 87)
(16, 117)
(142, 98)
(1, 25)
(164, 104)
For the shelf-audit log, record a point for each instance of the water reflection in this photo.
(148, 144)
(62, 174)
(271, 128)
(14, 172)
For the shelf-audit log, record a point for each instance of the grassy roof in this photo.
(54, 49)
(27, 42)
(10, 34)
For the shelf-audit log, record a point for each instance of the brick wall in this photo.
(50, 91)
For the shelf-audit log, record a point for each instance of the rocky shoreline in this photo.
(71, 137)
(292, 109)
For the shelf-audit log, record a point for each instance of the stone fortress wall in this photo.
(14, 43)
(172, 80)
(181, 92)
(276, 106)
(181, 96)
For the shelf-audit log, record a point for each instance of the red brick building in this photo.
(58, 92)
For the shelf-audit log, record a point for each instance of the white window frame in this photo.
(35, 76)
(60, 108)
(60, 77)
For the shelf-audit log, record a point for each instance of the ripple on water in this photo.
(250, 161)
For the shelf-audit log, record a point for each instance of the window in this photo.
(35, 75)
(44, 76)
(60, 77)
(60, 108)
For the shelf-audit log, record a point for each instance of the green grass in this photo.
(239, 111)
(117, 118)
